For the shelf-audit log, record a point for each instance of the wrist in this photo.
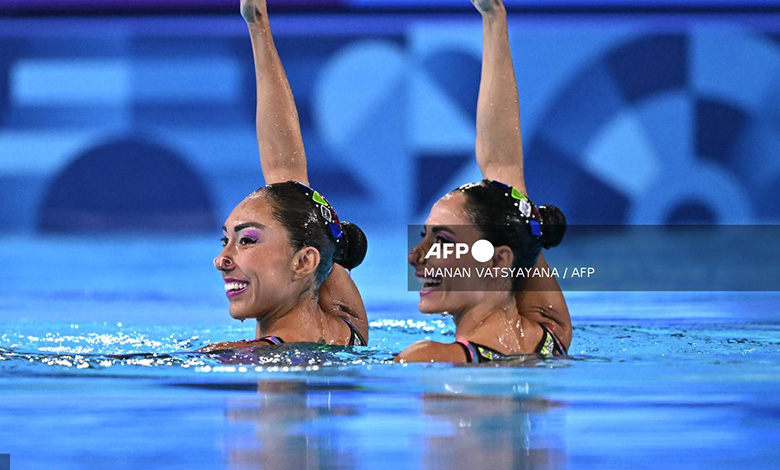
(497, 14)
(261, 25)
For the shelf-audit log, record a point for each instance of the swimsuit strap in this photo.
(487, 354)
(476, 352)
(550, 344)
(273, 340)
(355, 338)
(469, 350)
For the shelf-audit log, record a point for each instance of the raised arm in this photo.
(499, 145)
(282, 156)
(499, 152)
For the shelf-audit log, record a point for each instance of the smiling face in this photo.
(257, 262)
(448, 222)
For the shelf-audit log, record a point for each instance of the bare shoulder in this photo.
(340, 296)
(431, 351)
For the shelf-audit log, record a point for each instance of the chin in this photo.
(427, 305)
(238, 313)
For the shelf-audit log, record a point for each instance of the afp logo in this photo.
(481, 250)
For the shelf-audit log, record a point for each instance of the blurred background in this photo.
(137, 118)
(140, 114)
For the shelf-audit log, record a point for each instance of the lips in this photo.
(235, 287)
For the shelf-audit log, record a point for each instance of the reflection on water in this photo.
(635, 395)
(491, 432)
(293, 425)
(287, 423)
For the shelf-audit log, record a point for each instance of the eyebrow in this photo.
(241, 227)
(440, 228)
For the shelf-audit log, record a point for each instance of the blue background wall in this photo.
(147, 123)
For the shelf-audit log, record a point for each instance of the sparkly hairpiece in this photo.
(527, 209)
(325, 210)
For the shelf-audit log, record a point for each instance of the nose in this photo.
(223, 263)
(416, 256)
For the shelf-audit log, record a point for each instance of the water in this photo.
(97, 371)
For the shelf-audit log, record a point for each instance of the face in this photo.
(257, 262)
(448, 222)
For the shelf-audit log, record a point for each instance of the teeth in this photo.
(430, 280)
(235, 285)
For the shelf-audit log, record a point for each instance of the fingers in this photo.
(253, 10)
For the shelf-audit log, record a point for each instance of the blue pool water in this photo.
(674, 380)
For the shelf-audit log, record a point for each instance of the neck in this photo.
(495, 315)
(301, 320)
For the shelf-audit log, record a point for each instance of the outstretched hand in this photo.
(253, 10)
(488, 6)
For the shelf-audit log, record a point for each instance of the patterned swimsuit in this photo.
(475, 352)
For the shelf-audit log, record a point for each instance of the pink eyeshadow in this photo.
(252, 233)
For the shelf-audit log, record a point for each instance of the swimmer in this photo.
(496, 317)
(286, 254)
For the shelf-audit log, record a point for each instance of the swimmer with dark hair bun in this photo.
(495, 317)
(285, 253)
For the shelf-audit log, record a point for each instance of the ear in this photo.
(503, 257)
(305, 262)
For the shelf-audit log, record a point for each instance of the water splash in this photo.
(142, 349)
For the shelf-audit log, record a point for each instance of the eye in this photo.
(440, 239)
(247, 241)
(422, 234)
(224, 241)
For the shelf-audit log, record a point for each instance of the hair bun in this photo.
(554, 226)
(353, 246)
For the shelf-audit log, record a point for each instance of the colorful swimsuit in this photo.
(475, 352)
(355, 338)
